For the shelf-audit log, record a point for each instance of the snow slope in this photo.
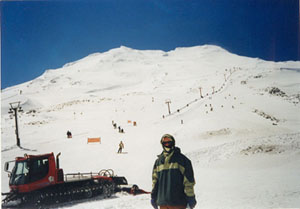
(242, 137)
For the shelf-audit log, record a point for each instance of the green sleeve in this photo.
(154, 182)
(189, 180)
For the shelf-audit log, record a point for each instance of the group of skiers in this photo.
(121, 130)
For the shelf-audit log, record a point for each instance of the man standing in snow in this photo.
(172, 178)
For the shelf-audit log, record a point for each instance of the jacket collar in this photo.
(175, 151)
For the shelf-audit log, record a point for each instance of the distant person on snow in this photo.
(134, 190)
(172, 178)
(121, 146)
(69, 134)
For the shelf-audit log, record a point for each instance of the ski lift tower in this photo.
(13, 110)
(168, 101)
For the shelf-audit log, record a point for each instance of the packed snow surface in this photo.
(236, 118)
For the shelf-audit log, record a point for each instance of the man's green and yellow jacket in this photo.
(172, 179)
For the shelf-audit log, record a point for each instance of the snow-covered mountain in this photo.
(242, 136)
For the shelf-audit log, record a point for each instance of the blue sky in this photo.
(41, 35)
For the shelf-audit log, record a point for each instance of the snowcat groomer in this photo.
(38, 180)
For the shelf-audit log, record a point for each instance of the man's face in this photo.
(168, 144)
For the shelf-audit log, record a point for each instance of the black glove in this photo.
(153, 203)
(191, 202)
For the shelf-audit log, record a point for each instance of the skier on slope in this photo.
(121, 146)
(172, 178)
